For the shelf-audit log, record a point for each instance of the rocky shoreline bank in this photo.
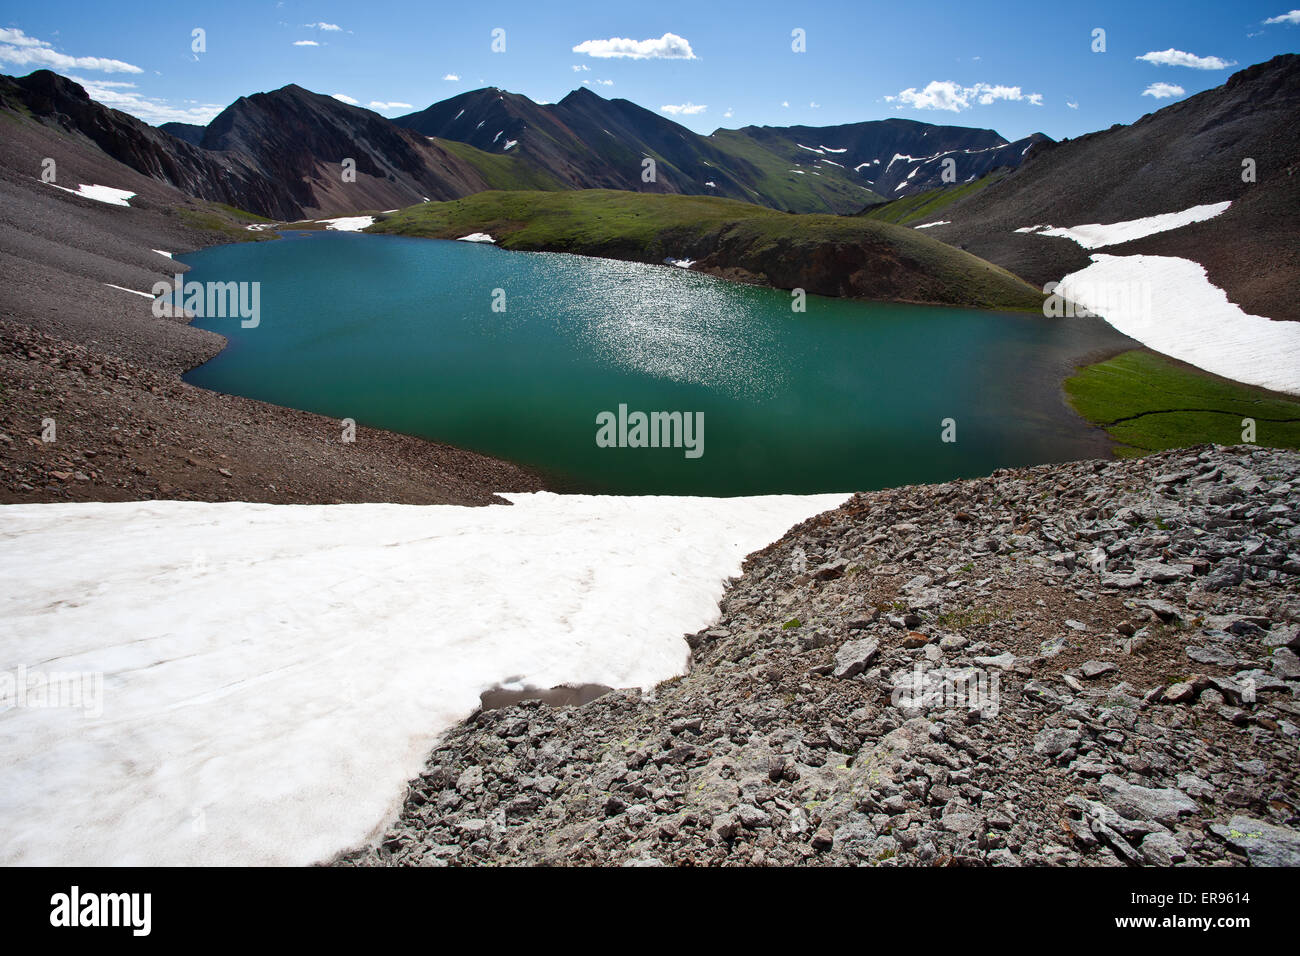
(1091, 663)
(127, 432)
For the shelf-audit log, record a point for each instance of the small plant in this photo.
(791, 624)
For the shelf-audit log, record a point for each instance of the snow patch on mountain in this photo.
(104, 194)
(1170, 305)
(1096, 235)
(348, 223)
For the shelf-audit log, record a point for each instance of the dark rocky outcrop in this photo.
(275, 154)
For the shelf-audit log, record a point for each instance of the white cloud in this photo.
(1293, 18)
(378, 105)
(1073, 106)
(581, 68)
(1163, 91)
(122, 96)
(785, 104)
(1172, 57)
(20, 49)
(451, 77)
(728, 114)
(305, 43)
(814, 105)
(684, 109)
(668, 47)
(330, 27)
(344, 98)
(947, 95)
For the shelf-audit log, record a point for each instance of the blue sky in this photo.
(1015, 66)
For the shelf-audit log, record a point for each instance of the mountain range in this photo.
(278, 154)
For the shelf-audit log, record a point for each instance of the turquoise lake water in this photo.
(401, 334)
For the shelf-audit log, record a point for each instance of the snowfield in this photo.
(273, 675)
(348, 223)
(1095, 235)
(1169, 305)
(476, 237)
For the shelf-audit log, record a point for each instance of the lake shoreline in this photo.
(584, 331)
(78, 352)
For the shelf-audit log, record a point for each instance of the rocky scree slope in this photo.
(1140, 617)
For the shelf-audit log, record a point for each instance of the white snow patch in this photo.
(830, 149)
(122, 288)
(348, 223)
(509, 143)
(1095, 235)
(458, 116)
(940, 222)
(114, 197)
(1169, 305)
(476, 237)
(162, 253)
(711, 184)
(810, 149)
(904, 156)
(273, 675)
(681, 263)
(799, 171)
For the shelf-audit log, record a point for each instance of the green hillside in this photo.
(927, 206)
(824, 254)
(1149, 402)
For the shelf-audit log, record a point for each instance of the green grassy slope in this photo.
(831, 255)
(501, 170)
(926, 206)
(820, 187)
(1149, 403)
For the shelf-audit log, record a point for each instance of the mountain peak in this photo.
(580, 93)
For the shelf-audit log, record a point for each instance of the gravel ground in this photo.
(1139, 618)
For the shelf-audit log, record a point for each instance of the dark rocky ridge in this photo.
(273, 154)
(298, 140)
(1140, 616)
(586, 141)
